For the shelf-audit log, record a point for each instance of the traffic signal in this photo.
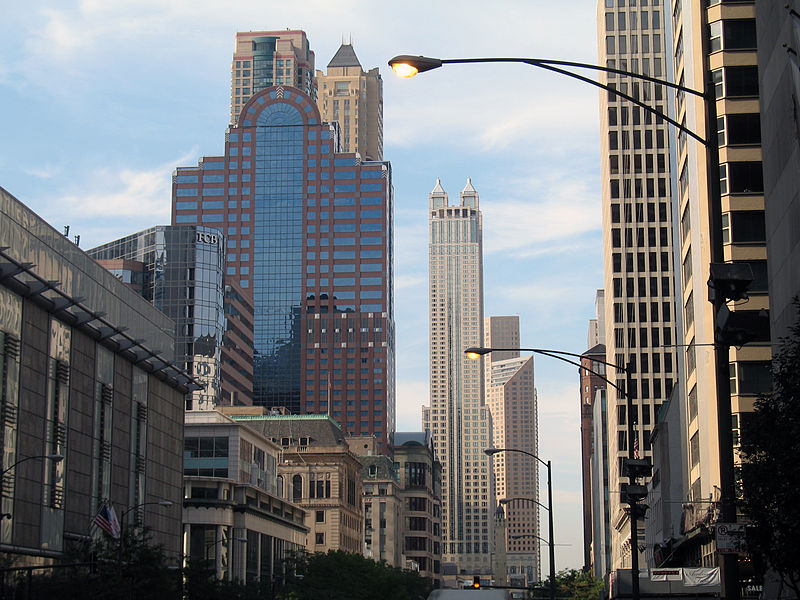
(476, 582)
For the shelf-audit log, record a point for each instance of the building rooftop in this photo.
(345, 57)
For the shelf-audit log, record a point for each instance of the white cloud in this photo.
(115, 201)
(43, 172)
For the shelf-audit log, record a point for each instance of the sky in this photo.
(100, 101)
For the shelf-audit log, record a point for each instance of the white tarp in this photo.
(701, 576)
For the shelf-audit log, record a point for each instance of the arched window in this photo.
(297, 488)
(279, 485)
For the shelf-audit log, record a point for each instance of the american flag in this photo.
(636, 444)
(106, 519)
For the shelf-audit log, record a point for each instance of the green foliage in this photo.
(770, 475)
(573, 584)
(339, 575)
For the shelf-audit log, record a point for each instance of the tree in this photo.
(770, 474)
(340, 575)
(579, 585)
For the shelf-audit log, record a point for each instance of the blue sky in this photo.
(100, 101)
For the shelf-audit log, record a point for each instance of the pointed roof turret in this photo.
(469, 195)
(438, 197)
(345, 57)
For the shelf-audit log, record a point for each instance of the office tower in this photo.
(511, 397)
(637, 240)
(716, 42)
(263, 59)
(456, 415)
(779, 75)
(83, 378)
(179, 270)
(309, 231)
(591, 383)
(353, 98)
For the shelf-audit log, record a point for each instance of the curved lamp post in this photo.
(549, 508)
(164, 503)
(408, 65)
(240, 539)
(635, 492)
(54, 457)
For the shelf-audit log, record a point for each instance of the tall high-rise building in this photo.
(511, 397)
(309, 231)
(456, 416)
(779, 84)
(593, 442)
(353, 98)
(637, 241)
(715, 42)
(263, 59)
(180, 271)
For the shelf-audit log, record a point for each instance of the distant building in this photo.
(601, 512)
(83, 377)
(309, 231)
(420, 489)
(353, 98)
(456, 416)
(234, 519)
(383, 504)
(263, 59)
(510, 394)
(179, 269)
(318, 472)
(590, 383)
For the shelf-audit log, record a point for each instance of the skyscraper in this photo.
(354, 99)
(716, 42)
(262, 59)
(180, 271)
(310, 231)
(456, 415)
(637, 240)
(511, 397)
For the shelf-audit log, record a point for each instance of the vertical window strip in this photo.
(103, 421)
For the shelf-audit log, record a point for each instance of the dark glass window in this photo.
(741, 81)
(745, 177)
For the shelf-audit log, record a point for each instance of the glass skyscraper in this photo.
(179, 270)
(309, 231)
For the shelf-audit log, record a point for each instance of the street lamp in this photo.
(634, 466)
(408, 65)
(56, 458)
(208, 545)
(164, 503)
(549, 508)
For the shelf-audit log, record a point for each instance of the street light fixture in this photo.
(549, 507)
(635, 467)
(56, 458)
(164, 503)
(409, 65)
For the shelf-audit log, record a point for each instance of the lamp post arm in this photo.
(539, 62)
(627, 97)
(498, 450)
(549, 65)
(580, 366)
(527, 500)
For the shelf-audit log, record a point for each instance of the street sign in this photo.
(730, 538)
